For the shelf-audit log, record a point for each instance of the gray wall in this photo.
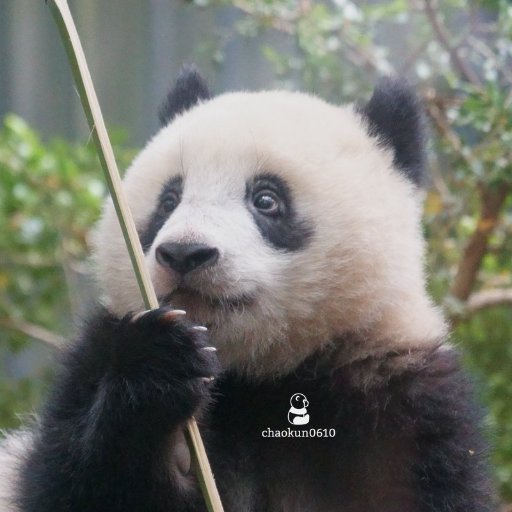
(134, 48)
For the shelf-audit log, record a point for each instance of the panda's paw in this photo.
(161, 353)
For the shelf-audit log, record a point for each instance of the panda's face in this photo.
(219, 243)
(275, 220)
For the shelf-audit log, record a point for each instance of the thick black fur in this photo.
(408, 444)
(395, 115)
(104, 438)
(189, 90)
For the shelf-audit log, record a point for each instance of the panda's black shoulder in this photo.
(442, 397)
(440, 401)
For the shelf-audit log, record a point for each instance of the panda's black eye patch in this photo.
(168, 201)
(270, 202)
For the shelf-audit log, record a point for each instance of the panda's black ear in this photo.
(190, 88)
(395, 115)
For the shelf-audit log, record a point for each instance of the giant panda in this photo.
(282, 234)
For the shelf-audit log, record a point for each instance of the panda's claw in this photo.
(207, 380)
(200, 328)
(172, 315)
(139, 315)
(168, 316)
(210, 349)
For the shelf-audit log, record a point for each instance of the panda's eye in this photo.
(168, 203)
(266, 202)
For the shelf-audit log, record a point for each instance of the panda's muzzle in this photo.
(186, 257)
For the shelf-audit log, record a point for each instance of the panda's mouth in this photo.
(188, 296)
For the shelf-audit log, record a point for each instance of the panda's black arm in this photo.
(105, 439)
(451, 471)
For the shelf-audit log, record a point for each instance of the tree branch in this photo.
(281, 25)
(35, 331)
(462, 67)
(441, 123)
(487, 53)
(410, 60)
(476, 248)
(288, 25)
(489, 298)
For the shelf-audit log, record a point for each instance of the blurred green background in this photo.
(457, 54)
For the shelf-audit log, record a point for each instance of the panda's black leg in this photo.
(111, 436)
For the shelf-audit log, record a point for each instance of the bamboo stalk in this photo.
(83, 80)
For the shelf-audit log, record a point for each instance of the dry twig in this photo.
(35, 331)
(460, 65)
(489, 298)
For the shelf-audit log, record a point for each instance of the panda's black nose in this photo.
(185, 257)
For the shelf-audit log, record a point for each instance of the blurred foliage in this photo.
(458, 55)
(50, 195)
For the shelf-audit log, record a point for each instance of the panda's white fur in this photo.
(362, 272)
(12, 449)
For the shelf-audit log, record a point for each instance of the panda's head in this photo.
(281, 222)
(299, 401)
